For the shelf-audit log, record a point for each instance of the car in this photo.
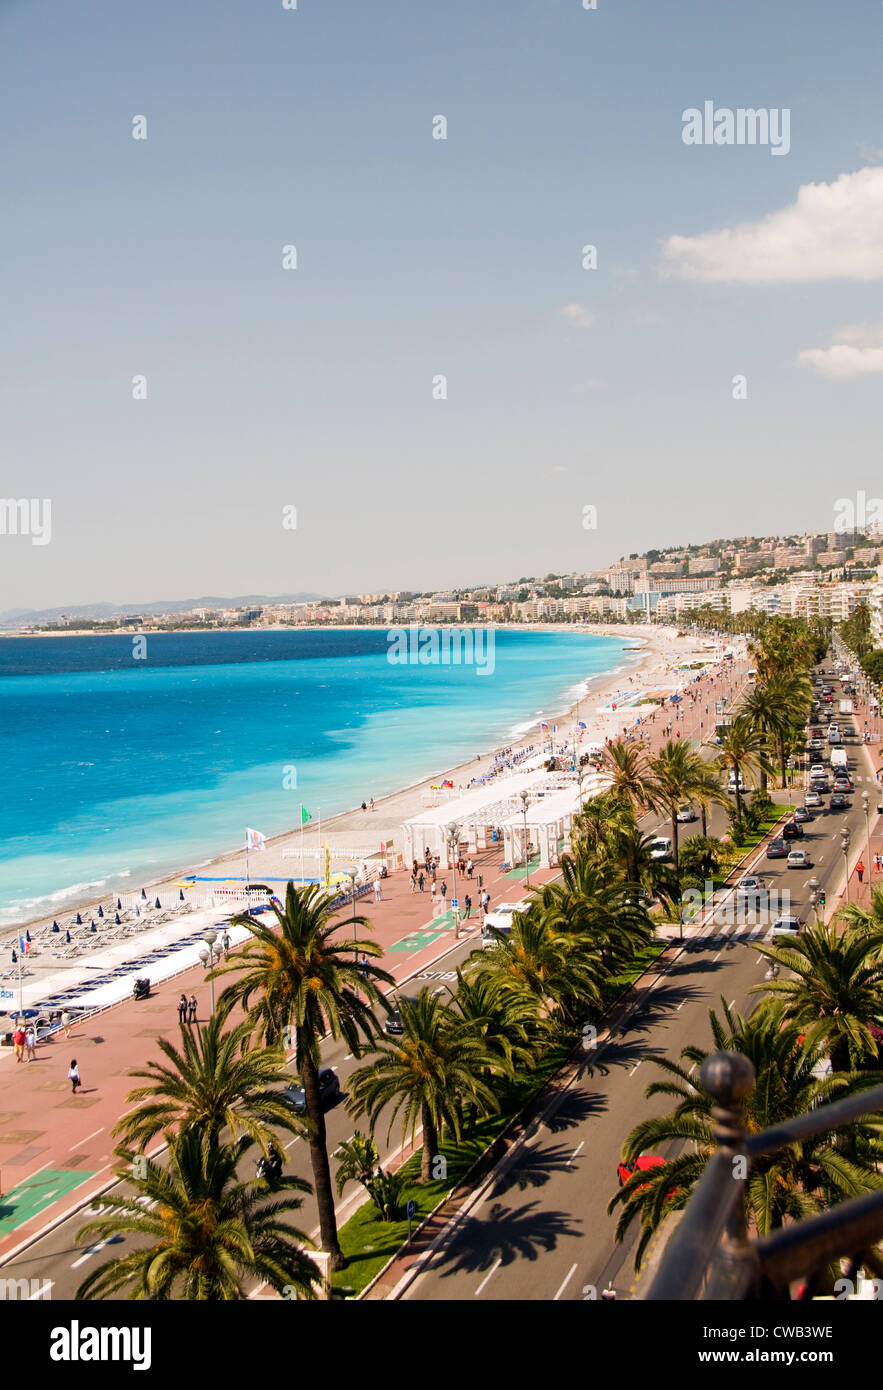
(820, 785)
(786, 926)
(799, 859)
(812, 799)
(815, 746)
(329, 1091)
(777, 849)
(813, 718)
(393, 1022)
(660, 847)
(838, 802)
(751, 888)
(803, 814)
(834, 734)
(843, 785)
(792, 831)
(625, 1172)
(818, 769)
(500, 920)
(686, 813)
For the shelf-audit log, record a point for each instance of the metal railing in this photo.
(710, 1255)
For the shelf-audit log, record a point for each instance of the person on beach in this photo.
(371, 803)
(182, 1009)
(31, 1042)
(364, 805)
(191, 1009)
(18, 1042)
(378, 890)
(73, 1076)
(66, 1023)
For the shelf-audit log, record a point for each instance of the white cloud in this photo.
(578, 315)
(858, 352)
(834, 231)
(559, 468)
(590, 384)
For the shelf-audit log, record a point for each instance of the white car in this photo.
(686, 813)
(501, 920)
(812, 799)
(751, 888)
(660, 847)
(786, 926)
(818, 770)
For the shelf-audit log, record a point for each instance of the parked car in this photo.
(786, 926)
(329, 1091)
(799, 859)
(393, 1022)
(777, 849)
(792, 831)
(838, 802)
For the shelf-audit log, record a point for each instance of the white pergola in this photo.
(548, 818)
(476, 811)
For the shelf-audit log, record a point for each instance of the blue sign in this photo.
(412, 1207)
(455, 903)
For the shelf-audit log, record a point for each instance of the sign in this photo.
(412, 1208)
(455, 903)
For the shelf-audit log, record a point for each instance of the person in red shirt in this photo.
(18, 1039)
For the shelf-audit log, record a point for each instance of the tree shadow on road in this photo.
(507, 1234)
(533, 1168)
(574, 1108)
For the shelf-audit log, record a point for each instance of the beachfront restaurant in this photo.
(476, 813)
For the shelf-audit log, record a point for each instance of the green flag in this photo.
(304, 815)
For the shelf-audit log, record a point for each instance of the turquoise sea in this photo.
(119, 770)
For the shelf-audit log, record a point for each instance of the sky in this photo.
(295, 434)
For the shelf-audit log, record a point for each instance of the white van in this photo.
(660, 847)
(838, 757)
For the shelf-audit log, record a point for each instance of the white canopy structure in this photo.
(548, 821)
(476, 812)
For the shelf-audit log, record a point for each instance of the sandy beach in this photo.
(650, 661)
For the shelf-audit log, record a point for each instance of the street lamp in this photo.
(814, 899)
(844, 845)
(525, 801)
(207, 956)
(352, 877)
(866, 807)
(453, 838)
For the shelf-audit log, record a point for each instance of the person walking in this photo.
(467, 907)
(182, 1009)
(18, 1042)
(443, 889)
(433, 890)
(413, 883)
(378, 890)
(421, 883)
(73, 1076)
(191, 1009)
(225, 939)
(469, 867)
(66, 1023)
(860, 870)
(31, 1042)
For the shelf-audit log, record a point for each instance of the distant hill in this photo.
(103, 611)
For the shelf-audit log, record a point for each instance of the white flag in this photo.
(254, 840)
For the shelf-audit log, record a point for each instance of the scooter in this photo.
(141, 988)
(270, 1166)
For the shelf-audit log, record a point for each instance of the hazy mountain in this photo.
(101, 611)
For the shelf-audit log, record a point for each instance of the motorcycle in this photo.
(270, 1166)
(141, 988)
(772, 973)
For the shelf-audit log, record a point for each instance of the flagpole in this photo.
(302, 871)
(246, 866)
(20, 999)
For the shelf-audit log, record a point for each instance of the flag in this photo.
(24, 945)
(448, 783)
(581, 725)
(543, 724)
(554, 728)
(254, 840)
(304, 815)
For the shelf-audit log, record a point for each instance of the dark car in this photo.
(393, 1023)
(329, 1090)
(838, 802)
(777, 849)
(792, 831)
(813, 718)
(803, 814)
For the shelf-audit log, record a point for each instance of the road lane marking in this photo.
(492, 1271)
(680, 1006)
(635, 1067)
(567, 1279)
(720, 953)
(86, 1140)
(580, 1145)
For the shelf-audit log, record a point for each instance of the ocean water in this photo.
(117, 771)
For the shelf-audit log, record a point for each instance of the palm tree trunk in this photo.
(319, 1160)
(781, 741)
(430, 1142)
(738, 770)
(674, 835)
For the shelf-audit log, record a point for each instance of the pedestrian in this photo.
(469, 867)
(31, 1041)
(485, 900)
(191, 1009)
(860, 870)
(467, 907)
(182, 1009)
(363, 963)
(434, 889)
(364, 805)
(444, 889)
(878, 862)
(66, 1023)
(421, 882)
(74, 1076)
(378, 890)
(371, 803)
(413, 883)
(226, 941)
(18, 1041)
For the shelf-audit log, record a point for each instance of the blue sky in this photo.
(313, 388)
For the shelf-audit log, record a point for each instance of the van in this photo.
(660, 847)
(732, 785)
(838, 757)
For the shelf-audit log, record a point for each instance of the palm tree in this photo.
(424, 1075)
(628, 765)
(584, 903)
(601, 825)
(674, 774)
(302, 980)
(871, 917)
(504, 1019)
(214, 1081)
(836, 989)
(201, 1233)
(742, 751)
(794, 1182)
(706, 790)
(552, 968)
(768, 715)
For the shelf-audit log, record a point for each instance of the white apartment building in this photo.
(876, 605)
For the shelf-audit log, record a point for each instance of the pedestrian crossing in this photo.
(741, 938)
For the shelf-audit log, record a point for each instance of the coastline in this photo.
(648, 659)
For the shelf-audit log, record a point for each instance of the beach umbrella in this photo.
(119, 904)
(79, 920)
(143, 893)
(56, 927)
(137, 910)
(27, 935)
(157, 903)
(181, 894)
(117, 919)
(100, 910)
(92, 926)
(67, 936)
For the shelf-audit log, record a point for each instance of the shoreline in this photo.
(647, 662)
